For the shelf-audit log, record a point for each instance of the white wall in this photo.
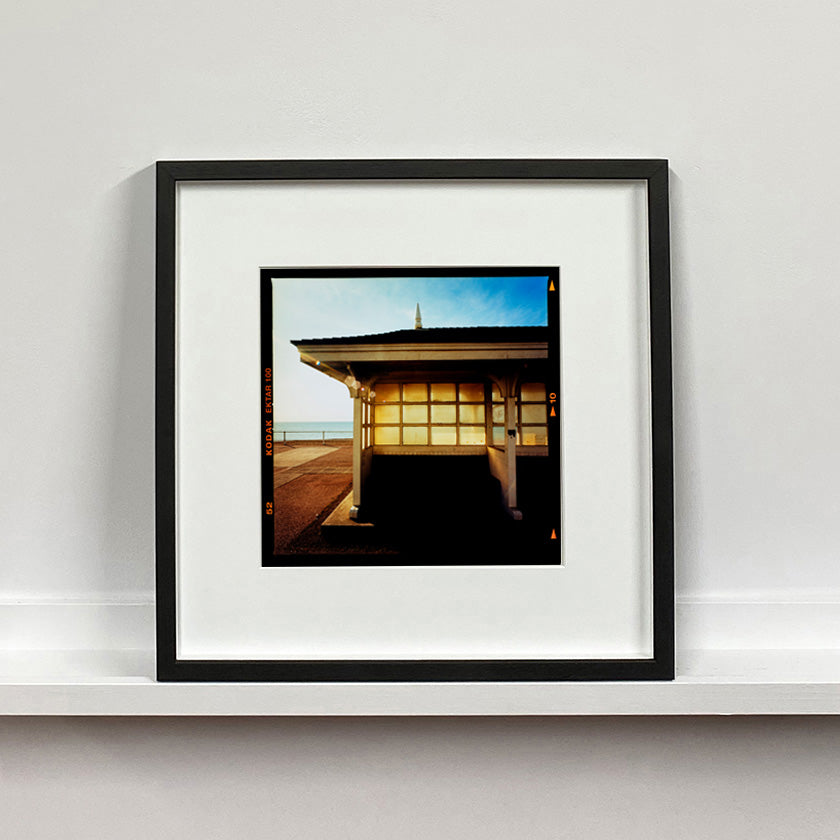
(494, 779)
(739, 96)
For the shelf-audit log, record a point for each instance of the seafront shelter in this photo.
(435, 408)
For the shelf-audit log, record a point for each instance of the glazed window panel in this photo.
(499, 414)
(471, 392)
(532, 392)
(498, 435)
(471, 413)
(471, 435)
(386, 435)
(443, 392)
(415, 392)
(387, 392)
(444, 436)
(415, 414)
(534, 436)
(387, 414)
(443, 414)
(415, 435)
(533, 414)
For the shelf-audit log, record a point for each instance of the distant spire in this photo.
(418, 321)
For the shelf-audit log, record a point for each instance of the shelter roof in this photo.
(434, 335)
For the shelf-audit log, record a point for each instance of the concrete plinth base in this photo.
(339, 523)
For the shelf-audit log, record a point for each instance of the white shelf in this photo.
(795, 674)
(752, 682)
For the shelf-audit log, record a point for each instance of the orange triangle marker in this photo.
(553, 412)
(553, 534)
(550, 285)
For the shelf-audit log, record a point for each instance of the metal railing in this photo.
(337, 434)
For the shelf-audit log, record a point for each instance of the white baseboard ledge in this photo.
(708, 683)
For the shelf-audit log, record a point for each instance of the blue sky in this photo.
(322, 308)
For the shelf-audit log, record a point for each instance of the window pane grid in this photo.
(446, 414)
(419, 413)
(532, 415)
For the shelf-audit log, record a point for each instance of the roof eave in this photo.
(348, 353)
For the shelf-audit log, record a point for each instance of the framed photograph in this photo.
(414, 421)
(461, 416)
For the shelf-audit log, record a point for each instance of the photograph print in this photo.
(410, 416)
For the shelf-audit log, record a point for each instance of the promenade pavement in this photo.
(309, 480)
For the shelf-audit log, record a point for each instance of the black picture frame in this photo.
(660, 666)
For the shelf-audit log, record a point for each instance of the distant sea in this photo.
(335, 429)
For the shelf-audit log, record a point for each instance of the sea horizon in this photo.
(313, 430)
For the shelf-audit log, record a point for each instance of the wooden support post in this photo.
(510, 453)
(357, 456)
